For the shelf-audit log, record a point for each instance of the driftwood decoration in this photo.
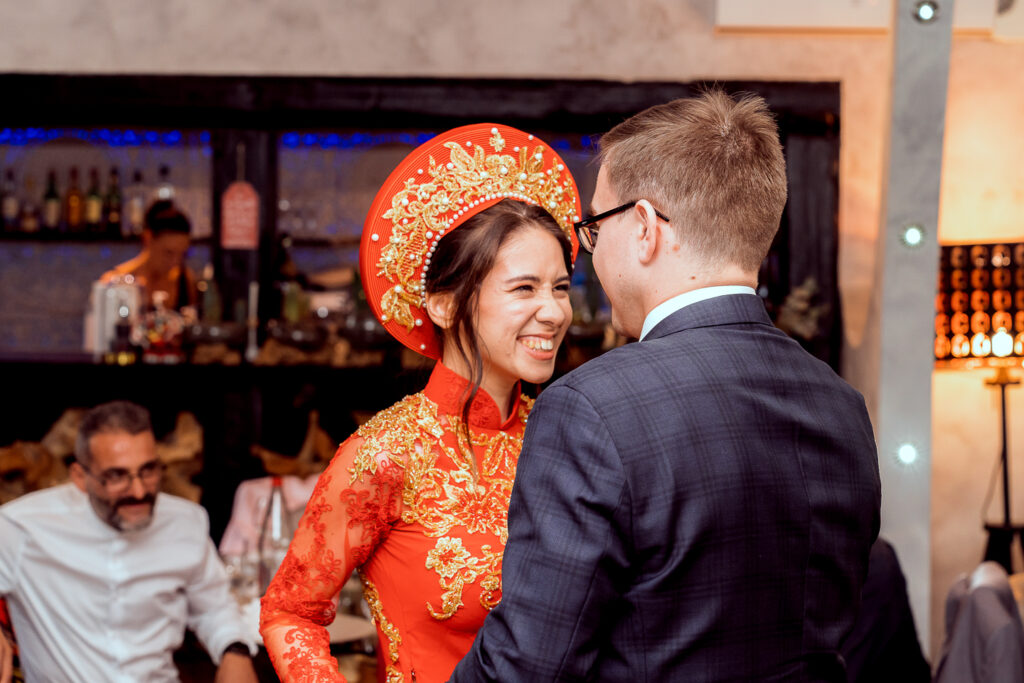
(181, 452)
(316, 451)
(27, 467)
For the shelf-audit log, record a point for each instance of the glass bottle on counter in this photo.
(112, 205)
(10, 207)
(28, 221)
(94, 205)
(165, 190)
(136, 206)
(209, 297)
(51, 205)
(122, 351)
(276, 533)
(74, 204)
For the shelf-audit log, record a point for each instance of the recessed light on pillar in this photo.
(912, 235)
(906, 454)
(926, 11)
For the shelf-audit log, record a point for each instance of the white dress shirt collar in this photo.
(667, 308)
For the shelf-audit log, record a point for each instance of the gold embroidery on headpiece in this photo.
(425, 209)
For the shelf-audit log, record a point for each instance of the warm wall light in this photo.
(979, 306)
(926, 11)
(1002, 343)
(981, 345)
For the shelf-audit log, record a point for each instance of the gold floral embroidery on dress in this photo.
(394, 675)
(411, 435)
(439, 499)
(457, 567)
(395, 434)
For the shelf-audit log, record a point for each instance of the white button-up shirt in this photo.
(91, 603)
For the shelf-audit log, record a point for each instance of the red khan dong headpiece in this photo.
(433, 191)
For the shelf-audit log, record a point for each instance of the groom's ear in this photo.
(441, 309)
(648, 231)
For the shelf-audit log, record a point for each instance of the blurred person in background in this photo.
(103, 574)
(160, 266)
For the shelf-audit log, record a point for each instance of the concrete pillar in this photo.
(907, 287)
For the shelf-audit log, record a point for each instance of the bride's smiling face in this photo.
(522, 310)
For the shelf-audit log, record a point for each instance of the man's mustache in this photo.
(148, 499)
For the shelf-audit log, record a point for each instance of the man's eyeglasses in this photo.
(586, 229)
(117, 479)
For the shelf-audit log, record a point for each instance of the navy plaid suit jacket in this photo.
(698, 506)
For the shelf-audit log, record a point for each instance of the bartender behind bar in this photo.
(160, 266)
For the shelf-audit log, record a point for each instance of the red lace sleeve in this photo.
(355, 501)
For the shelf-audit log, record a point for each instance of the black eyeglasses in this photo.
(587, 228)
(117, 479)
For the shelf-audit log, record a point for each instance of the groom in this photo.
(697, 506)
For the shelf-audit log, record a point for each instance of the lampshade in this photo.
(979, 307)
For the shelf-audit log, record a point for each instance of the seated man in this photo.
(160, 266)
(103, 574)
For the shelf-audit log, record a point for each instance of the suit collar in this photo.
(673, 304)
(723, 310)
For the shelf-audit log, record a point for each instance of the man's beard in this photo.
(109, 511)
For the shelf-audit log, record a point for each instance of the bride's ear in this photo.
(441, 309)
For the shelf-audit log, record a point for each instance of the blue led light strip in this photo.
(116, 137)
(296, 140)
(111, 137)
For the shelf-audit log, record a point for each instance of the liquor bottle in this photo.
(94, 204)
(74, 204)
(165, 190)
(136, 206)
(10, 207)
(112, 206)
(276, 533)
(209, 297)
(51, 205)
(28, 221)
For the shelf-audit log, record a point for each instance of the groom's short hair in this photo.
(713, 164)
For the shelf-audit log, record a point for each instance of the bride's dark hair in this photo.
(463, 259)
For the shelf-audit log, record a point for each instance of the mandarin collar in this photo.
(447, 389)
